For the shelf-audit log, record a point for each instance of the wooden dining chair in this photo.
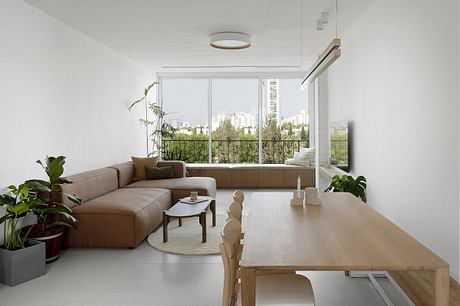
(235, 210)
(238, 195)
(271, 289)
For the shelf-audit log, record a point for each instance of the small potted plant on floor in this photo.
(21, 259)
(54, 216)
(347, 183)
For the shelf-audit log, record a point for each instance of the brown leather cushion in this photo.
(181, 187)
(122, 218)
(139, 166)
(91, 184)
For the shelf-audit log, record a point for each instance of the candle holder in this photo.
(297, 198)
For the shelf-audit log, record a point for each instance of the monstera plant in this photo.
(347, 183)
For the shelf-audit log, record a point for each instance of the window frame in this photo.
(259, 76)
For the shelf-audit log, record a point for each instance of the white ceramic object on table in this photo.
(194, 195)
(311, 196)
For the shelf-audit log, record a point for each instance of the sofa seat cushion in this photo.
(181, 187)
(122, 218)
(122, 201)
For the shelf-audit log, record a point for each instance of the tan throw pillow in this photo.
(139, 166)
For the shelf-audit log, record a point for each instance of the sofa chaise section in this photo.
(180, 186)
(112, 217)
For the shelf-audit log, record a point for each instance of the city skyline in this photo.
(186, 100)
(239, 120)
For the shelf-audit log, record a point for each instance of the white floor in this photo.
(144, 276)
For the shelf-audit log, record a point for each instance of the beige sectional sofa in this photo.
(120, 212)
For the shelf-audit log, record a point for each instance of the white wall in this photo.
(62, 93)
(397, 81)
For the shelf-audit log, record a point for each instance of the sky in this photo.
(187, 99)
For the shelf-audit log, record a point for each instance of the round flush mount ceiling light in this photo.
(230, 40)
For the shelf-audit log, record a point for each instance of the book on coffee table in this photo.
(188, 200)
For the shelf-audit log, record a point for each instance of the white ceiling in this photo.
(158, 33)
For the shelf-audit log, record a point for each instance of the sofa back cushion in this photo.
(125, 172)
(139, 166)
(91, 184)
(159, 173)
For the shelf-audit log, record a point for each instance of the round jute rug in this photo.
(186, 240)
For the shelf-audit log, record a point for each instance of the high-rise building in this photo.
(301, 118)
(271, 99)
(238, 120)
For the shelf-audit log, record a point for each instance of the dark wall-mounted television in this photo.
(340, 144)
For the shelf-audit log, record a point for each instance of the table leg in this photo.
(248, 287)
(213, 210)
(203, 225)
(180, 221)
(165, 227)
(441, 287)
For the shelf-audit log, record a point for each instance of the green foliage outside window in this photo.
(230, 145)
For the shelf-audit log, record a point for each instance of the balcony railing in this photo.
(230, 151)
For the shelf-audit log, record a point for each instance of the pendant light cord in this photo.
(301, 34)
(336, 18)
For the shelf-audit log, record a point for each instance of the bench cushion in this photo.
(181, 187)
(122, 218)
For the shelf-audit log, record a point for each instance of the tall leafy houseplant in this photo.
(347, 183)
(53, 216)
(18, 202)
(160, 129)
(51, 192)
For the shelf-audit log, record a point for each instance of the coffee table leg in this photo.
(213, 210)
(203, 225)
(165, 227)
(180, 221)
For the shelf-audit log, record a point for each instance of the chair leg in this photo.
(203, 226)
(165, 227)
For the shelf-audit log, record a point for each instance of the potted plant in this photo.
(54, 216)
(160, 129)
(347, 183)
(21, 259)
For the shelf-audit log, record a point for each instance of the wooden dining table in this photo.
(341, 234)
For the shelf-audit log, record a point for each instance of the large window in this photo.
(234, 120)
(186, 103)
(285, 119)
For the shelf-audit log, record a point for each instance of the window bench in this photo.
(255, 175)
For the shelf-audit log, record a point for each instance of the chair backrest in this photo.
(235, 210)
(238, 196)
(231, 233)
